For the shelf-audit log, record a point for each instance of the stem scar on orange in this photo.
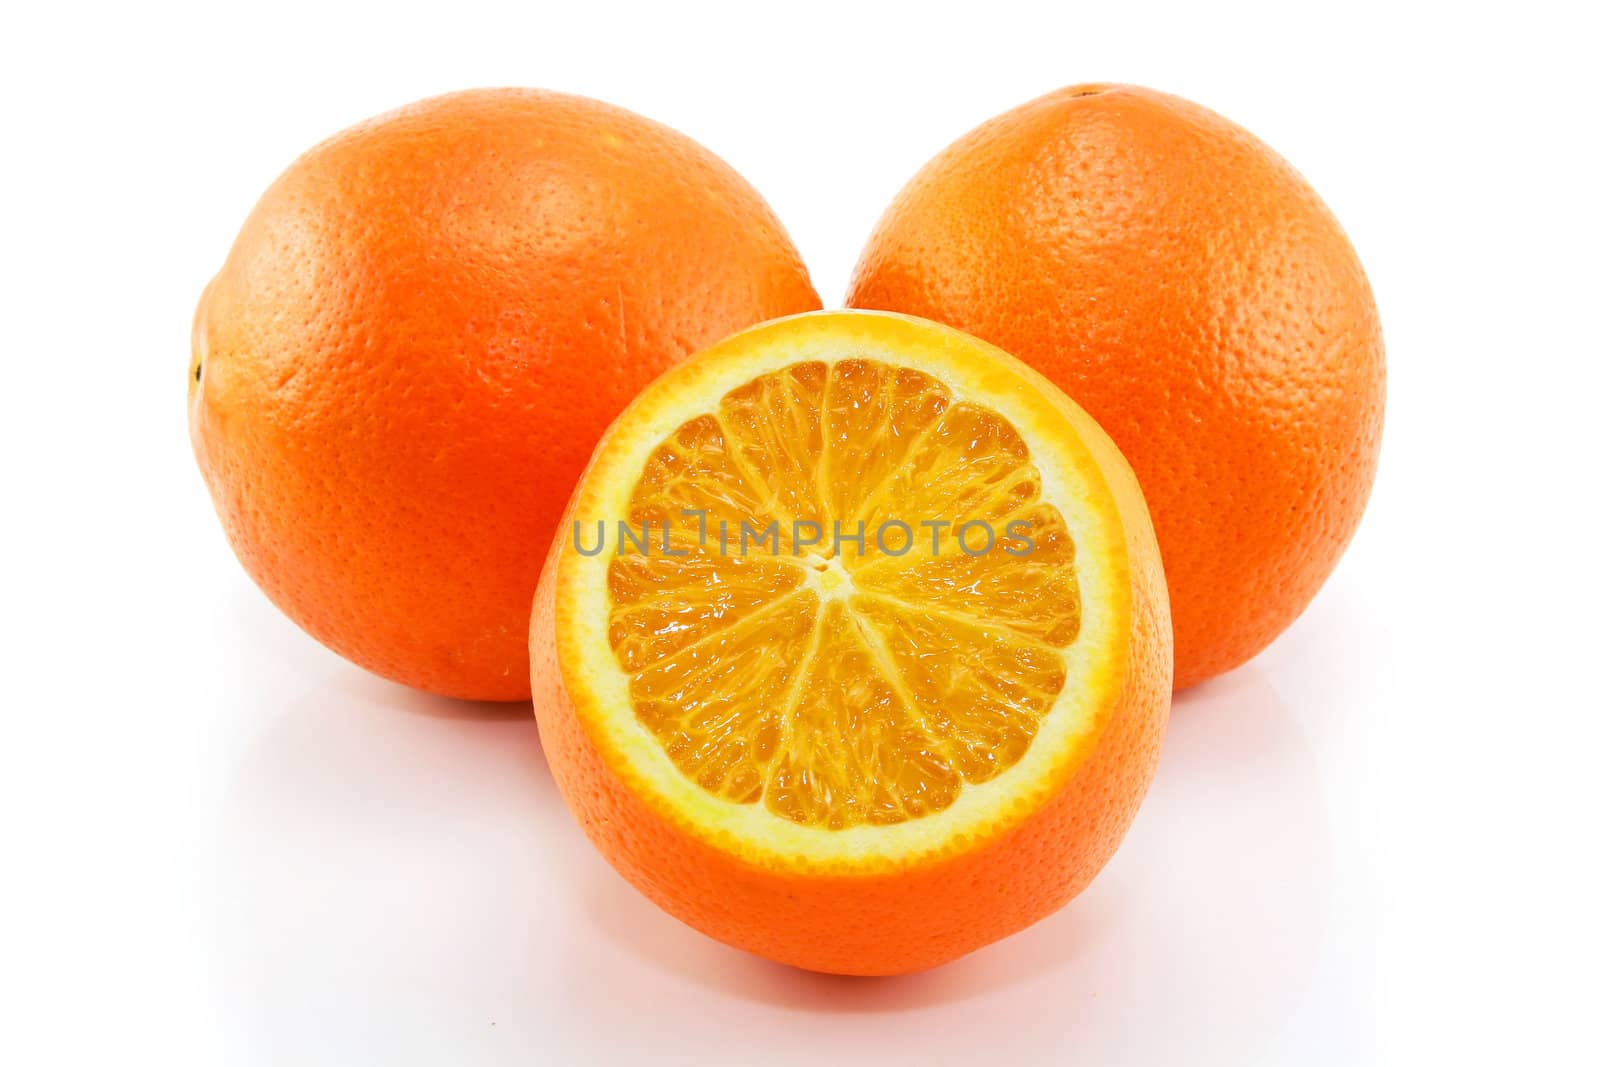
(1186, 286)
(420, 334)
(858, 755)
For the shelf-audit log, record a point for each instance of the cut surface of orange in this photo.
(848, 607)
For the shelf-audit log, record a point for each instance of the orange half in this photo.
(853, 650)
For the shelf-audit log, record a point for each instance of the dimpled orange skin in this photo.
(418, 337)
(896, 920)
(1183, 283)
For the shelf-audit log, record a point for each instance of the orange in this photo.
(796, 720)
(1185, 285)
(420, 334)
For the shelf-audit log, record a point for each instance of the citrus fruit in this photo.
(1185, 285)
(796, 716)
(418, 337)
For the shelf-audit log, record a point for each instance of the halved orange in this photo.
(853, 650)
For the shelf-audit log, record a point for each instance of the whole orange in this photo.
(417, 339)
(1182, 282)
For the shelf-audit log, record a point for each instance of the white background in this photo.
(223, 845)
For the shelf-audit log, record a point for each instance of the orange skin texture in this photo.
(894, 920)
(1177, 278)
(419, 335)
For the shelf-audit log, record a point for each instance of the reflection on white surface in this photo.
(403, 885)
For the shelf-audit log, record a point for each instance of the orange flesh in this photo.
(838, 683)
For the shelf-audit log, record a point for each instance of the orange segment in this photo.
(876, 416)
(1026, 582)
(847, 751)
(694, 483)
(981, 689)
(716, 706)
(660, 603)
(856, 750)
(775, 425)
